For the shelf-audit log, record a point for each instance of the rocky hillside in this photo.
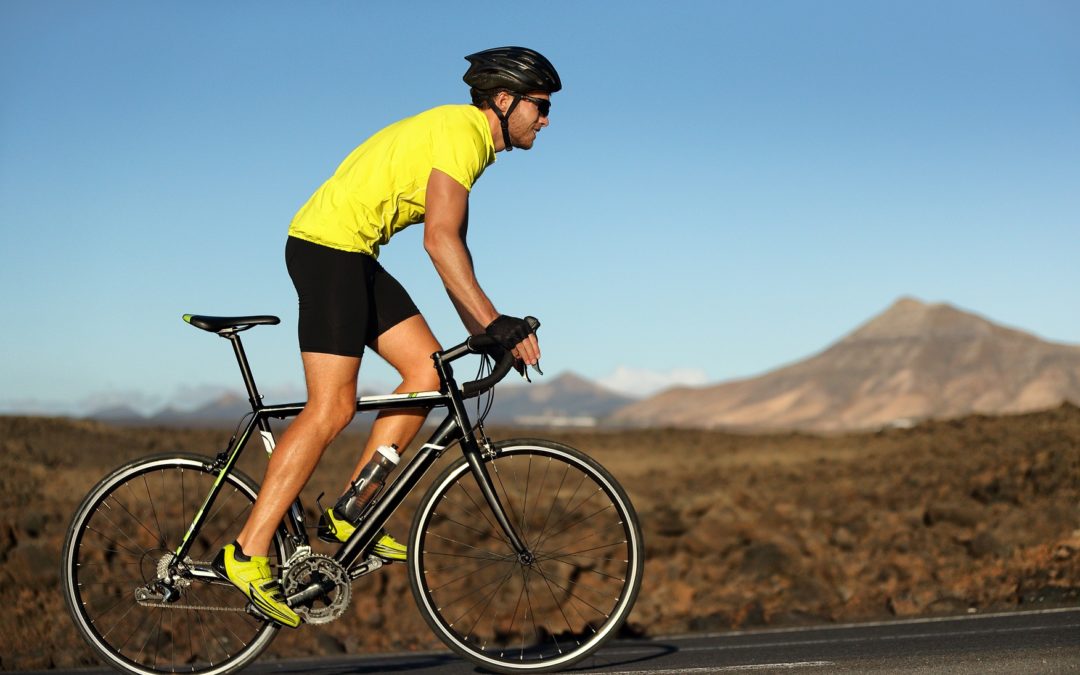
(914, 361)
(566, 400)
(970, 515)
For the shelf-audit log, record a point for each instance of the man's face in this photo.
(527, 119)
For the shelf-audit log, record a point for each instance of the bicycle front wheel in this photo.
(142, 610)
(551, 606)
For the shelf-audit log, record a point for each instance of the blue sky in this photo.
(725, 187)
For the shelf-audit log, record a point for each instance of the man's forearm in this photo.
(453, 262)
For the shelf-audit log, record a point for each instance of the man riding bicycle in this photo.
(419, 169)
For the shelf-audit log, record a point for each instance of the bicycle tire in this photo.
(126, 526)
(512, 615)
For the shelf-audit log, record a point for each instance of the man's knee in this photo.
(421, 378)
(333, 415)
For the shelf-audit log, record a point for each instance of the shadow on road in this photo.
(625, 653)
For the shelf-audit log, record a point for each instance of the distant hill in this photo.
(566, 400)
(118, 414)
(911, 362)
(225, 410)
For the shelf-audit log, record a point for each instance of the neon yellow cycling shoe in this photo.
(251, 574)
(336, 530)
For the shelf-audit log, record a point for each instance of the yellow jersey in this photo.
(381, 187)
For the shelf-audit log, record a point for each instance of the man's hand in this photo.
(516, 335)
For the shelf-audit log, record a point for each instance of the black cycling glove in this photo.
(508, 331)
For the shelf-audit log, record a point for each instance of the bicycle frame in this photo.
(456, 427)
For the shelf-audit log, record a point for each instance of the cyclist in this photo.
(418, 169)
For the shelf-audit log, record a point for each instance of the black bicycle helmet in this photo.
(517, 69)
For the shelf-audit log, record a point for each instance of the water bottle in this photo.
(371, 480)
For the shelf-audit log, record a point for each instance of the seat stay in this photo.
(227, 461)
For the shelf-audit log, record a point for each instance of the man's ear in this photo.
(503, 100)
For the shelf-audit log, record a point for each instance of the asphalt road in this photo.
(1044, 642)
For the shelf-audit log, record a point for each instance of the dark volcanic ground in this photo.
(971, 515)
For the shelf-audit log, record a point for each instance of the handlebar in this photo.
(485, 344)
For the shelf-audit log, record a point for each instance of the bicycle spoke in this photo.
(138, 521)
(551, 509)
(475, 591)
(164, 530)
(471, 547)
(564, 510)
(113, 541)
(555, 601)
(438, 588)
(481, 511)
(578, 553)
(569, 511)
(571, 594)
(485, 600)
(232, 525)
(530, 613)
(486, 535)
(150, 635)
(514, 614)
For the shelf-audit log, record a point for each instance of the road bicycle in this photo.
(523, 555)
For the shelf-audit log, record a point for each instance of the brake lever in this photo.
(523, 370)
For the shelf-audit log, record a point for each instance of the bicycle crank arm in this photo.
(366, 567)
(310, 592)
(319, 589)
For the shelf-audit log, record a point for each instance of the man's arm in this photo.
(445, 227)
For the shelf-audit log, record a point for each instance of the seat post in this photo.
(245, 370)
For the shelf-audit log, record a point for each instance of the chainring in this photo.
(318, 568)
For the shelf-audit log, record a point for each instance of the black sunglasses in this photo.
(542, 104)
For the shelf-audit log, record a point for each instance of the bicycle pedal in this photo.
(371, 564)
(251, 609)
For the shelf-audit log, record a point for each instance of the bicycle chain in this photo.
(301, 564)
(190, 608)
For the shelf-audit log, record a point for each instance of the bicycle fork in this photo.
(474, 456)
(491, 496)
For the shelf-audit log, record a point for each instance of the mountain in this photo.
(913, 361)
(567, 400)
(225, 410)
(118, 414)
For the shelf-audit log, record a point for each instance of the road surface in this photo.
(1043, 642)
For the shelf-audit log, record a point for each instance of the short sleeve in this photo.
(460, 149)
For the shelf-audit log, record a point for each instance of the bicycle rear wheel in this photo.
(551, 607)
(142, 610)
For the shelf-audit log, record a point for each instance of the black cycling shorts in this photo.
(346, 299)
